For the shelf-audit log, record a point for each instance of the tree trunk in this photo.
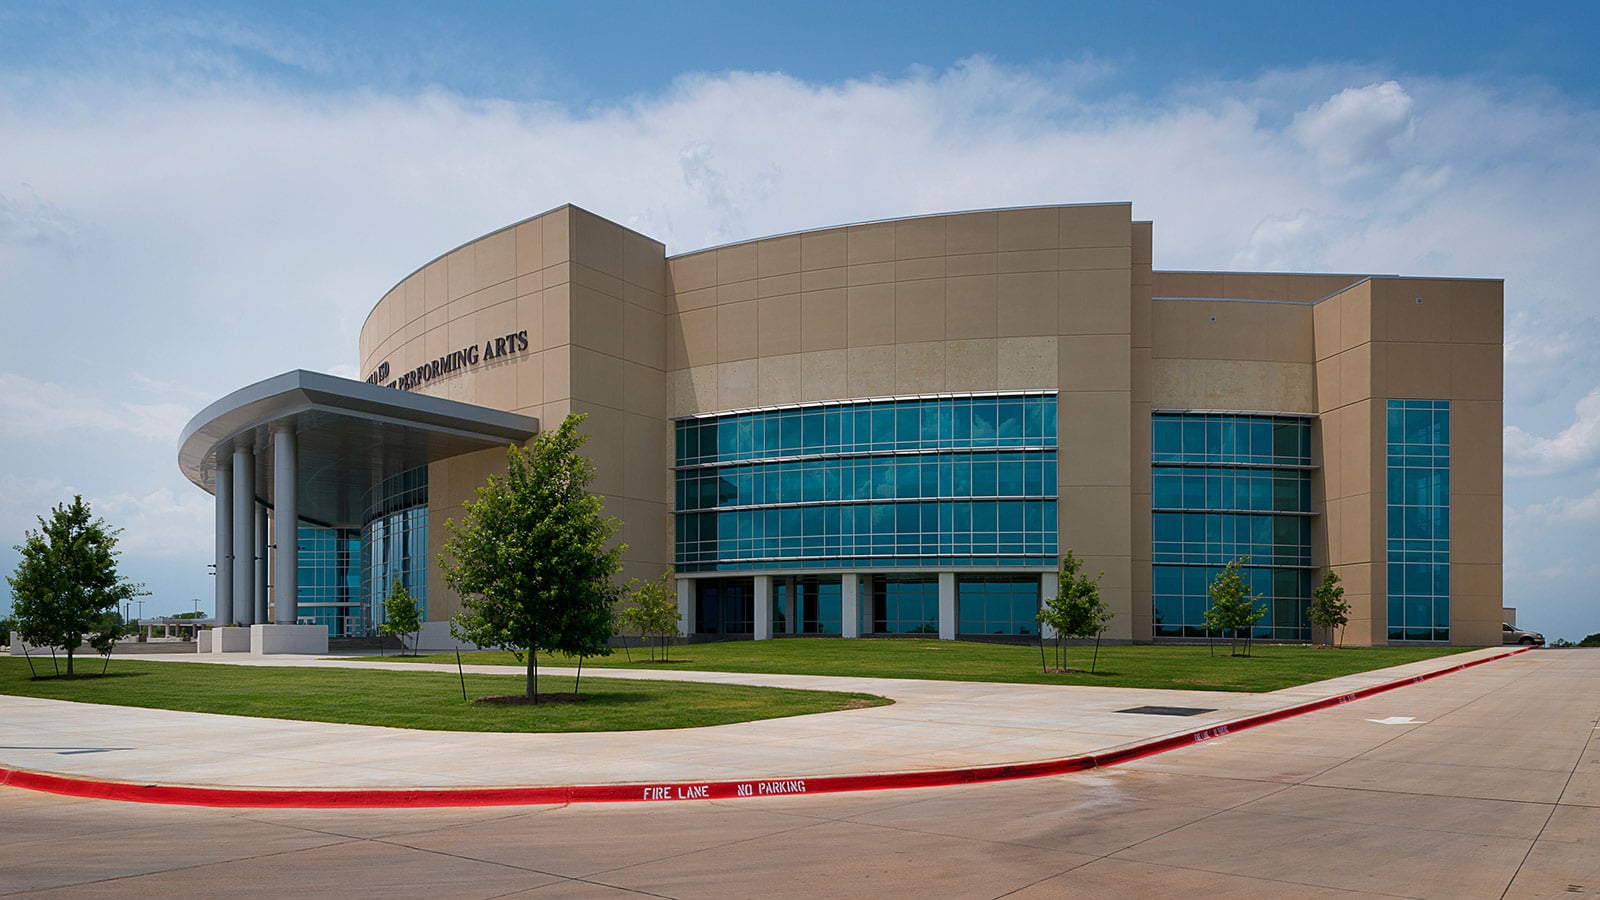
(531, 691)
(69, 662)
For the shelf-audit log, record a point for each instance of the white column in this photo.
(685, 606)
(260, 614)
(850, 605)
(286, 527)
(1049, 583)
(244, 538)
(224, 495)
(763, 607)
(947, 606)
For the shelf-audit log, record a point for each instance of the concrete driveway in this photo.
(1484, 783)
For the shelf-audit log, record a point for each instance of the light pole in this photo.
(196, 602)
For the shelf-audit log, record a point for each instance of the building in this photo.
(897, 427)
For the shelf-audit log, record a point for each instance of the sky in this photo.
(194, 197)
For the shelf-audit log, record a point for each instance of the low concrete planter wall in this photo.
(267, 639)
(435, 636)
(231, 639)
(202, 641)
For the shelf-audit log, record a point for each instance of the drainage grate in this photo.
(1166, 710)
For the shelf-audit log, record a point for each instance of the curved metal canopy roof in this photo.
(352, 435)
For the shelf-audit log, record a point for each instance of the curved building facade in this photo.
(899, 427)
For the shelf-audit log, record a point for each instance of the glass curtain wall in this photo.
(395, 544)
(330, 579)
(939, 481)
(1226, 486)
(1418, 551)
(998, 604)
(807, 604)
(902, 604)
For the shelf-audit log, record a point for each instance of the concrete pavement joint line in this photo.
(403, 798)
(1552, 814)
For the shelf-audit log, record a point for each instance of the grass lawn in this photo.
(425, 700)
(1268, 668)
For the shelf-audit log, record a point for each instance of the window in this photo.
(1225, 486)
(1417, 436)
(936, 481)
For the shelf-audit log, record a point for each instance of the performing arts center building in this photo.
(892, 428)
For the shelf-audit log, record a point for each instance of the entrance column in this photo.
(244, 537)
(763, 609)
(286, 526)
(947, 606)
(1049, 584)
(850, 605)
(223, 482)
(685, 606)
(259, 615)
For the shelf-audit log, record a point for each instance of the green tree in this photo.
(66, 588)
(400, 614)
(653, 612)
(1592, 640)
(529, 557)
(1329, 610)
(1076, 611)
(1233, 608)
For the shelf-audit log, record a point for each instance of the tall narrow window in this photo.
(1418, 557)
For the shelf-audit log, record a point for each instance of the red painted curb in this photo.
(409, 798)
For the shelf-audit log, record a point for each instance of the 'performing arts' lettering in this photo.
(452, 362)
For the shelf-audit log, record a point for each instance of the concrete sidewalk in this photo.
(933, 725)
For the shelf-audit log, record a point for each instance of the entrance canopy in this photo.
(350, 435)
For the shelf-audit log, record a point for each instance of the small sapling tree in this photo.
(401, 616)
(530, 557)
(653, 613)
(66, 588)
(1329, 610)
(1076, 611)
(1233, 608)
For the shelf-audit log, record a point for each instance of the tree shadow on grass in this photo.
(87, 676)
(525, 700)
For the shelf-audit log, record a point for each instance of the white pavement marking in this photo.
(1397, 720)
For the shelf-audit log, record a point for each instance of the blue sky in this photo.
(197, 196)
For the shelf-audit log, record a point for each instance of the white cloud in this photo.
(1560, 511)
(23, 500)
(1282, 243)
(30, 408)
(1577, 446)
(1358, 128)
(27, 220)
(162, 524)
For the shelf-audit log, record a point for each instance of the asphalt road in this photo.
(1484, 783)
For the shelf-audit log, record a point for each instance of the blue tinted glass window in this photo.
(1418, 519)
(1243, 486)
(933, 455)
